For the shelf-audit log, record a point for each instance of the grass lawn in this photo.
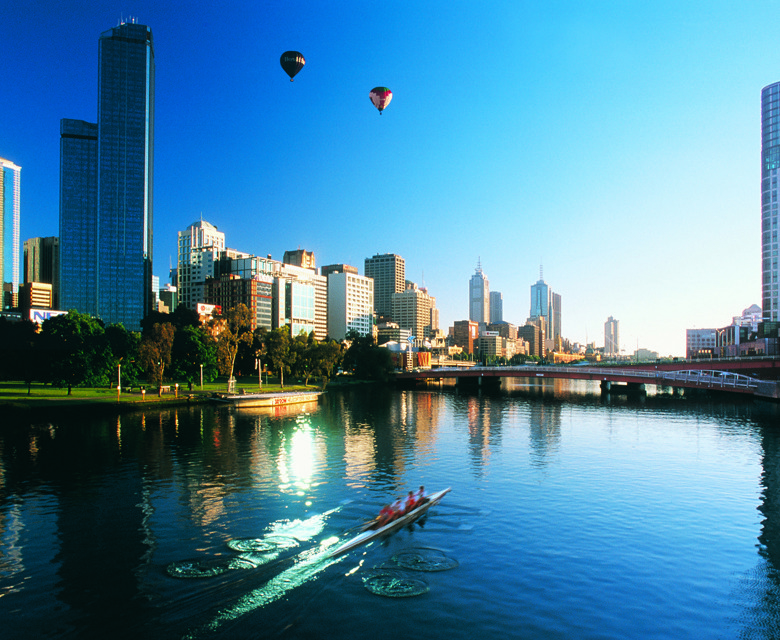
(41, 395)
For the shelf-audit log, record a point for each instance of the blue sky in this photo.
(616, 143)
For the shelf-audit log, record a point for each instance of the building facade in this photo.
(465, 334)
(611, 338)
(198, 246)
(106, 205)
(10, 218)
(496, 307)
(42, 263)
(700, 343)
(770, 164)
(547, 304)
(412, 311)
(389, 273)
(479, 298)
(78, 216)
(350, 305)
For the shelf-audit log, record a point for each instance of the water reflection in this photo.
(91, 510)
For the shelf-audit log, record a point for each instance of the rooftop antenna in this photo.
(479, 264)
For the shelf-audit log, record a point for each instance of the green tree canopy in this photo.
(279, 352)
(193, 348)
(366, 360)
(76, 350)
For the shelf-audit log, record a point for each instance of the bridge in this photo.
(735, 376)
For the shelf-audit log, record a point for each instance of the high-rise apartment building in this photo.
(611, 337)
(42, 264)
(389, 274)
(496, 307)
(770, 164)
(199, 247)
(479, 298)
(350, 304)
(106, 184)
(9, 231)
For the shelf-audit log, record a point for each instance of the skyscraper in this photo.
(770, 163)
(547, 304)
(9, 231)
(106, 172)
(611, 337)
(479, 298)
(496, 307)
(389, 274)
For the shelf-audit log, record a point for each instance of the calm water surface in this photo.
(570, 516)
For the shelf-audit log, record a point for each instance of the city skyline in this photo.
(615, 145)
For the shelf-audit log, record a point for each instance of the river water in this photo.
(570, 516)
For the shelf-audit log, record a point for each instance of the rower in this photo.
(420, 496)
(385, 515)
(398, 508)
(411, 502)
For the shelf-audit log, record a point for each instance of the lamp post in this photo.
(201, 377)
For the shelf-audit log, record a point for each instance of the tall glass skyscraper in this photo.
(770, 163)
(78, 216)
(9, 231)
(106, 174)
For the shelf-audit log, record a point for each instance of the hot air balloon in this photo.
(381, 97)
(292, 62)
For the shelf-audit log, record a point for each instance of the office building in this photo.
(412, 310)
(770, 164)
(546, 304)
(34, 295)
(350, 305)
(465, 334)
(78, 216)
(199, 247)
(700, 343)
(300, 258)
(496, 307)
(479, 298)
(106, 185)
(611, 338)
(10, 195)
(41, 263)
(389, 274)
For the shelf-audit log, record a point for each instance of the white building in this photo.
(611, 337)
(199, 247)
(350, 305)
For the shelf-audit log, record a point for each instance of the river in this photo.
(570, 516)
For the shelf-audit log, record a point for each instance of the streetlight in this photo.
(201, 377)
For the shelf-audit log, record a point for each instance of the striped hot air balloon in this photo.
(381, 97)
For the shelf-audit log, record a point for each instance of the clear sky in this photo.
(616, 143)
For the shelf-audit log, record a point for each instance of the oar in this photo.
(362, 526)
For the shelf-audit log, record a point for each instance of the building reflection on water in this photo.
(85, 500)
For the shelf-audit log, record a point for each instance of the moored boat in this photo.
(268, 400)
(392, 526)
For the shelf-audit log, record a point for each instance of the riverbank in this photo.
(16, 398)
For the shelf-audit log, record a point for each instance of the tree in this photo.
(327, 356)
(366, 360)
(279, 353)
(154, 353)
(76, 350)
(235, 328)
(192, 349)
(303, 348)
(124, 349)
(19, 351)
